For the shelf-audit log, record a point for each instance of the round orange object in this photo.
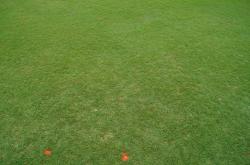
(124, 156)
(47, 152)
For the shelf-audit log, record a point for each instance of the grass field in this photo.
(166, 80)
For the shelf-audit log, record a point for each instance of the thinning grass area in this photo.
(166, 80)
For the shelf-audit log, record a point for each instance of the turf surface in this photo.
(166, 80)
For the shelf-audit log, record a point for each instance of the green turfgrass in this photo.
(168, 80)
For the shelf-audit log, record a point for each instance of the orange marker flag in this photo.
(124, 156)
(47, 152)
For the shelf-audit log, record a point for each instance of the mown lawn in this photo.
(166, 80)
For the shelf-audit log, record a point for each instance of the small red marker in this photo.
(124, 156)
(47, 152)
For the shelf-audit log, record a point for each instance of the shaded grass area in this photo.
(166, 80)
